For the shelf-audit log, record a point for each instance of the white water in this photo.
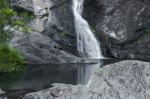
(87, 44)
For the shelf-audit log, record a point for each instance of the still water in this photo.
(39, 77)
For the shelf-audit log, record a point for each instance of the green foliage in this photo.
(23, 12)
(148, 29)
(10, 59)
(93, 29)
(13, 19)
(62, 34)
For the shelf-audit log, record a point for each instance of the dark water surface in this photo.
(39, 77)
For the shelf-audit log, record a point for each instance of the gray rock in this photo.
(60, 25)
(121, 26)
(38, 48)
(123, 80)
(37, 24)
(55, 19)
(39, 7)
(50, 41)
(2, 92)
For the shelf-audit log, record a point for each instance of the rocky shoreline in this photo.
(122, 80)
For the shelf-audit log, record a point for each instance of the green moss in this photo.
(148, 30)
(10, 59)
(63, 34)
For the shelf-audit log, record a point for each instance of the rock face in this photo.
(122, 26)
(123, 80)
(39, 49)
(52, 37)
(60, 25)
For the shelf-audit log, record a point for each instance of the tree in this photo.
(11, 20)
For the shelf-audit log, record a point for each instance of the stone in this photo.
(51, 39)
(121, 26)
(2, 92)
(122, 80)
(39, 49)
(37, 24)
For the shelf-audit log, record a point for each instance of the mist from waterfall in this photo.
(87, 44)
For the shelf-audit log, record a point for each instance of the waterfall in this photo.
(87, 44)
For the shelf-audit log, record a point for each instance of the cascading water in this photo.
(87, 44)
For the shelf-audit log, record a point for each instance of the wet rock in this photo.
(2, 92)
(121, 26)
(56, 93)
(60, 25)
(38, 49)
(52, 37)
(122, 80)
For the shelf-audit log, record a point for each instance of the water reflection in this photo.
(39, 77)
(85, 71)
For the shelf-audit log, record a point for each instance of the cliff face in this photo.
(121, 25)
(53, 38)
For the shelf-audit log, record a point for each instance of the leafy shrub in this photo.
(10, 59)
(11, 18)
(15, 20)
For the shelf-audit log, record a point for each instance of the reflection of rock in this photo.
(85, 71)
(2, 92)
(123, 80)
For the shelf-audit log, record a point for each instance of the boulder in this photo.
(122, 80)
(2, 92)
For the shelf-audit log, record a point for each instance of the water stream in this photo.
(87, 44)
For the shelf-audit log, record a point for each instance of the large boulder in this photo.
(121, 25)
(123, 80)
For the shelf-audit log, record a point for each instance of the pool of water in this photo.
(39, 77)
